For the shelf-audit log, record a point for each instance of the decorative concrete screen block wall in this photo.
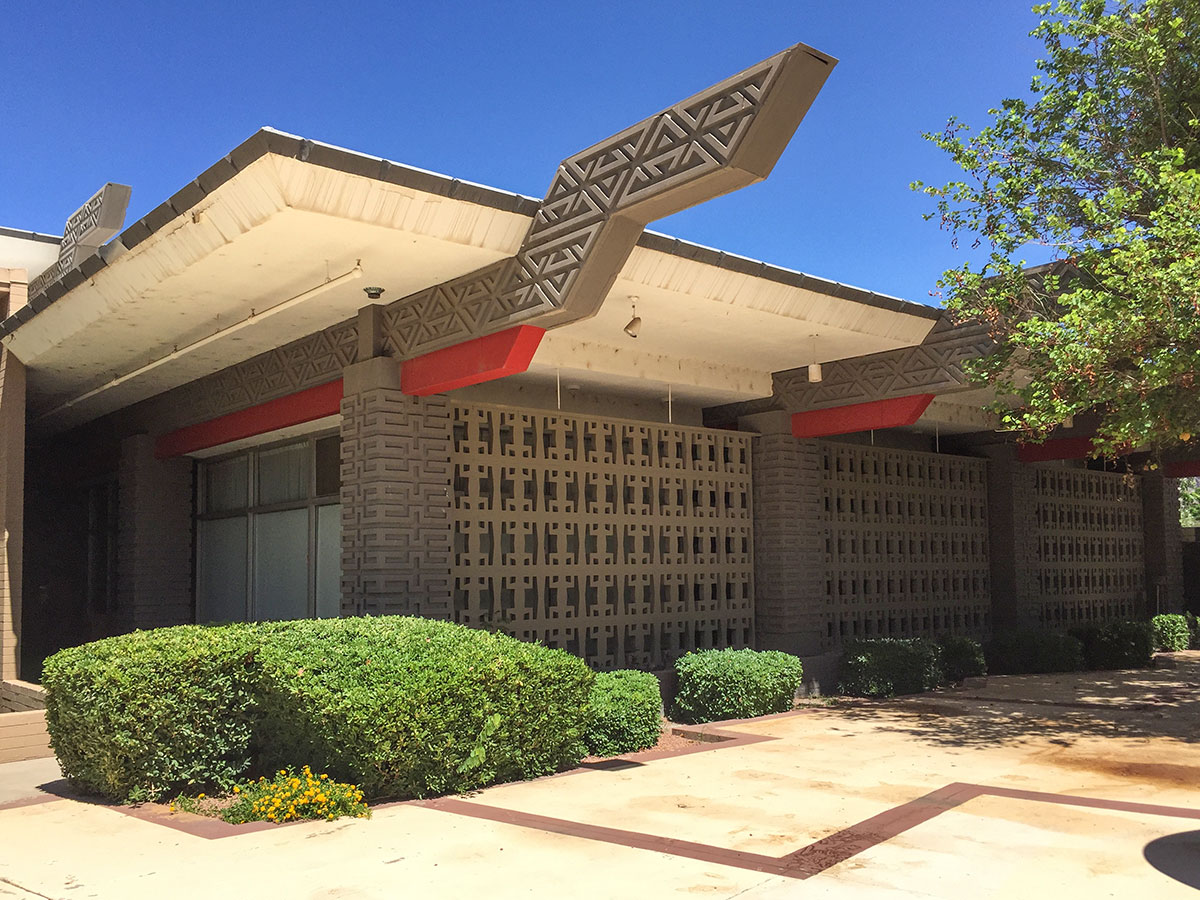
(627, 543)
(906, 543)
(1089, 562)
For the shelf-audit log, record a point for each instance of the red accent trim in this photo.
(1184, 468)
(487, 358)
(1058, 448)
(303, 406)
(877, 415)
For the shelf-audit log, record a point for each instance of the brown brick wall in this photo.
(154, 566)
(12, 504)
(1164, 543)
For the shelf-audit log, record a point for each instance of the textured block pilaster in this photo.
(397, 526)
(1164, 543)
(789, 561)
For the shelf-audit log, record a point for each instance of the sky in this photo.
(151, 94)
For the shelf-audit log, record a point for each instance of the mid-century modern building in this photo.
(315, 382)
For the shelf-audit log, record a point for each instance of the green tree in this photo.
(1189, 502)
(1099, 164)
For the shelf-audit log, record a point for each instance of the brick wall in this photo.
(154, 565)
(1164, 543)
(396, 503)
(12, 502)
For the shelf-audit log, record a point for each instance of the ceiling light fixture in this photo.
(634, 325)
(814, 367)
(373, 292)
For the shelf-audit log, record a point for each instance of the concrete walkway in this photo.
(1043, 787)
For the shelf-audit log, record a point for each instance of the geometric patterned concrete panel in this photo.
(626, 543)
(932, 367)
(600, 199)
(1088, 547)
(906, 543)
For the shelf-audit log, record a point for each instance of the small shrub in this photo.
(1116, 645)
(734, 684)
(1170, 632)
(884, 667)
(1033, 651)
(960, 658)
(626, 713)
(143, 714)
(403, 707)
(290, 796)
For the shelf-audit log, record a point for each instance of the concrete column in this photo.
(1163, 544)
(1012, 538)
(789, 543)
(154, 556)
(397, 522)
(12, 510)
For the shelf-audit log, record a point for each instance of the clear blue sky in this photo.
(150, 94)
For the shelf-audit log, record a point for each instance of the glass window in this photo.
(225, 485)
(329, 561)
(329, 465)
(283, 473)
(281, 565)
(221, 570)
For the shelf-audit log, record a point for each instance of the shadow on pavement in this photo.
(1177, 856)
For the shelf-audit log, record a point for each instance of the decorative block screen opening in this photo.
(626, 543)
(906, 543)
(1089, 547)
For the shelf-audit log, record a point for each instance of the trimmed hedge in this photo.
(626, 713)
(403, 707)
(1116, 645)
(884, 667)
(734, 684)
(1171, 632)
(960, 658)
(1025, 651)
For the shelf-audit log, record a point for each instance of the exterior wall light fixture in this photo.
(814, 367)
(634, 325)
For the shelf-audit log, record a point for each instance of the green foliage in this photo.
(1170, 632)
(1022, 651)
(1189, 502)
(289, 796)
(136, 716)
(401, 706)
(734, 684)
(1193, 630)
(1099, 164)
(885, 667)
(960, 658)
(626, 713)
(1116, 645)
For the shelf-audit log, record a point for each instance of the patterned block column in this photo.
(396, 496)
(1163, 543)
(154, 561)
(789, 562)
(12, 509)
(1012, 538)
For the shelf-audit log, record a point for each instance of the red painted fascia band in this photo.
(1184, 468)
(873, 415)
(1058, 448)
(294, 409)
(487, 358)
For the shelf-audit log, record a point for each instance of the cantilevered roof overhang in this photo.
(261, 248)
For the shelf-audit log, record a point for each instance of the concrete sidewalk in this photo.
(1015, 787)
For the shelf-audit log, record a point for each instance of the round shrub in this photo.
(1171, 632)
(1116, 645)
(960, 658)
(626, 713)
(402, 707)
(884, 667)
(734, 684)
(143, 714)
(1023, 651)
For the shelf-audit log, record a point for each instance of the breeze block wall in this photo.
(627, 543)
(905, 540)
